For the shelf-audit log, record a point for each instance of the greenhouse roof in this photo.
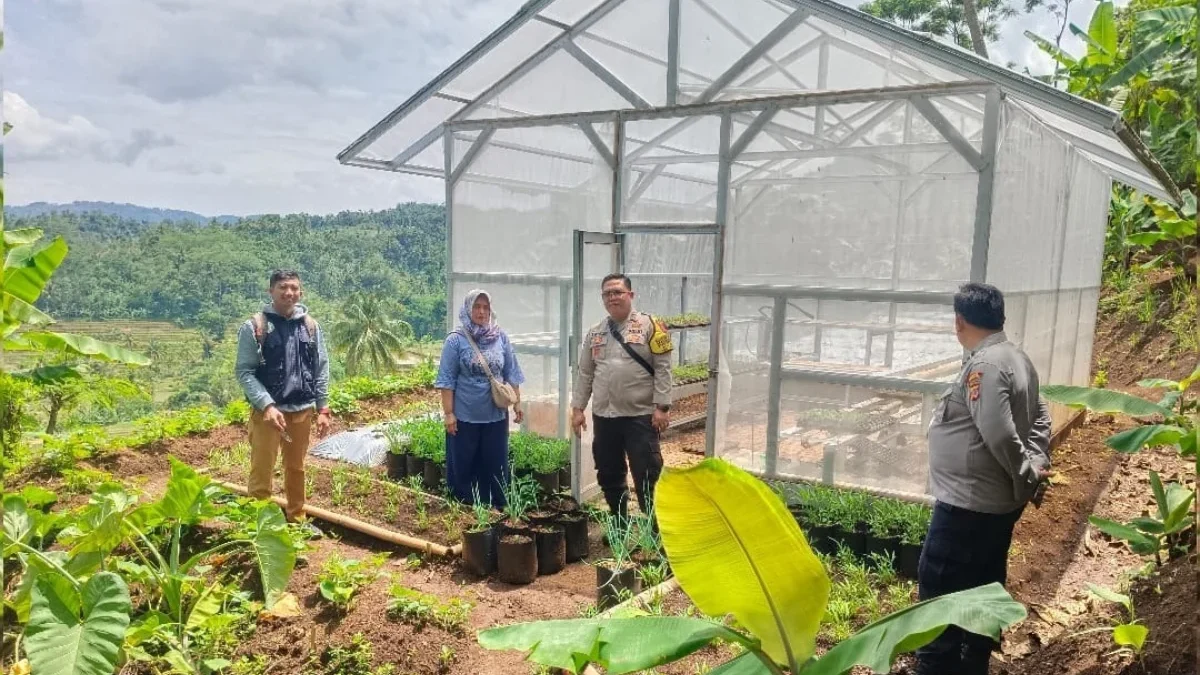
(556, 57)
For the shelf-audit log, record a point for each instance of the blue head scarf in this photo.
(483, 335)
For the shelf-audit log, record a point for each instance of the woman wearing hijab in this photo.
(476, 429)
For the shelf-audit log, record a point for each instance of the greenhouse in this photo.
(801, 185)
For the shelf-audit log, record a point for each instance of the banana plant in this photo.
(1147, 535)
(1129, 635)
(736, 549)
(1176, 428)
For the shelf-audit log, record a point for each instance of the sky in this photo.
(239, 107)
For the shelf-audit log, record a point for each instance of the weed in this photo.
(341, 579)
(354, 659)
(250, 665)
(1100, 381)
(589, 611)
(84, 481)
(419, 609)
(393, 497)
(453, 527)
(339, 479)
(445, 657)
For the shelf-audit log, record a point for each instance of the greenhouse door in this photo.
(597, 254)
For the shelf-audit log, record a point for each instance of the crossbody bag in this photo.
(503, 395)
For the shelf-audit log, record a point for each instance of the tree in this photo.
(63, 395)
(370, 334)
(968, 23)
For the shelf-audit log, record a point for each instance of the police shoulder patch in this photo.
(973, 383)
(660, 343)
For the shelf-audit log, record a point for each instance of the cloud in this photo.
(37, 137)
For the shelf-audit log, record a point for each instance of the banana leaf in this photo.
(737, 550)
(1102, 400)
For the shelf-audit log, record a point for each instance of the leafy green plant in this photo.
(417, 608)
(1128, 636)
(1148, 535)
(716, 516)
(685, 320)
(520, 496)
(690, 372)
(530, 451)
(339, 480)
(428, 438)
(353, 659)
(341, 578)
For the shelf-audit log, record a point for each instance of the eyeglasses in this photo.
(613, 294)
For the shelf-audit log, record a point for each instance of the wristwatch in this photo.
(663, 408)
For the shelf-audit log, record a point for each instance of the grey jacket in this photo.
(247, 363)
(990, 432)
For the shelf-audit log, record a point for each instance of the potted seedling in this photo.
(435, 463)
(616, 575)
(575, 531)
(517, 553)
(647, 544)
(479, 541)
(855, 507)
(915, 525)
(823, 510)
(886, 525)
(399, 444)
(545, 469)
(551, 547)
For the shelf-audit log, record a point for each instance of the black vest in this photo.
(289, 361)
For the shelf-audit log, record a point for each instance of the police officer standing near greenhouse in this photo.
(989, 455)
(625, 368)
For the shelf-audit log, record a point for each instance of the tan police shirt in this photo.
(990, 432)
(618, 385)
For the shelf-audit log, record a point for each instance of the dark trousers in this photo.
(477, 456)
(963, 550)
(616, 440)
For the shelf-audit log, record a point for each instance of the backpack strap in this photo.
(259, 323)
(311, 324)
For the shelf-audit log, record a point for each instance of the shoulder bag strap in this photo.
(479, 354)
(612, 329)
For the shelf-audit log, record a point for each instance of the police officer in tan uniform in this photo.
(989, 456)
(625, 368)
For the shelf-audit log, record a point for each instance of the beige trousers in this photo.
(265, 443)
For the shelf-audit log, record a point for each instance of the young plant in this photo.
(417, 608)
(1130, 636)
(339, 479)
(341, 579)
(520, 496)
(480, 511)
(393, 497)
(716, 516)
(1148, 535)
(691, 372)
(618, 533)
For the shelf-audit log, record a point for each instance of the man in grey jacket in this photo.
(989, 453)
(283, 368)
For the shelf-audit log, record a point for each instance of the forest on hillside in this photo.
(209, 277)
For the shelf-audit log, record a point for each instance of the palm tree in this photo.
(370, 334)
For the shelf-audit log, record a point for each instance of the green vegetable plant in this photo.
(1129, 636)
(419, 609)
(687, 320)
(690, 372)
(736, 550)
(341, 579)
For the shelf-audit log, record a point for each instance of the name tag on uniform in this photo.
(635, 338)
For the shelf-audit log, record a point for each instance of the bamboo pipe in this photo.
(368, 529)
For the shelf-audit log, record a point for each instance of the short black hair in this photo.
(980, 305)
(617, 277)
(283, 275)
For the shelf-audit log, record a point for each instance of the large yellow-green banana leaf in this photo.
(737, 550)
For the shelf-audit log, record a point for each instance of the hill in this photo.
(144, 214)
